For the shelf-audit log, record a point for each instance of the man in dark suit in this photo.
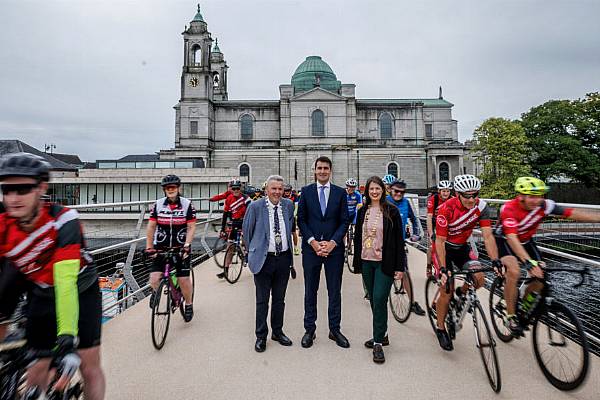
(323, 221)
(268, 233)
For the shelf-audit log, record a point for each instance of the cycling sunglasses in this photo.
(398, 191)
(470, 196)
(19, 188)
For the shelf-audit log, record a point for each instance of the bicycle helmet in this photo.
(531, 185)
(444, 185)
(401, 184)
(170, 180)
(389, 179)
(235, 184)
(466, 183)
(287, 187)
(351, 182)
(26, 165)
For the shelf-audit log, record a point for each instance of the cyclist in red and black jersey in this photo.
(44, 248)
(172, 225)
(223, 196)
(455, 222)
(235, 207)
(518, 222)
(433, 202)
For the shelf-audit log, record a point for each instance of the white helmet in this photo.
(351, 182)
(466, 183)
(444, 185)
(389, 179)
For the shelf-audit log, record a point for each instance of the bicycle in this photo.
(562, 332)
(348, 250)
(220, 245)
(457, 310)
(167, 298)
(15, 358)
(401, 297)
(235, 259)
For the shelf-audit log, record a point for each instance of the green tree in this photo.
(564, 136)
(501, 147)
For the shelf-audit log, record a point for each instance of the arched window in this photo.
(247, 126)
(392, 169)
(318, 123)
(444, 171)
(197, 55)
(386, 126)
(245, 171)
(216, 80)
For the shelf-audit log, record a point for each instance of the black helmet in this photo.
(287, 187)
(170, 180)
(398, 183)
(25, 164)
(235, 184)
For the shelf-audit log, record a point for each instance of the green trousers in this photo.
(378, 286)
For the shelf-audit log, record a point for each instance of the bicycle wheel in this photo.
(560, 346)
(487, 347)
(348, 260)
(400, 299)
(161, 315)
(219, 252)
(432, 292)
(233, 267)
(350, 242)
(498, 310)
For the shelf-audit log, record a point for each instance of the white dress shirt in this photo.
(282, 230)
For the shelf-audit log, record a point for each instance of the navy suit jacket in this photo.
(331, 226)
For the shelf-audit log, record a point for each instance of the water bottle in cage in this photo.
(173, 278)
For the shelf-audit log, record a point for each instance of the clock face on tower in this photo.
(194, 82)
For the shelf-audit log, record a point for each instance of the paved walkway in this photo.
(213, 357)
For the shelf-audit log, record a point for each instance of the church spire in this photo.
(440, 96)
(198, 16)
(216, 48)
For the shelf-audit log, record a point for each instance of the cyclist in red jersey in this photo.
(219, 197)
(433, 202)
(518, 222)
(44, 248)
(454, 224)
(235, 207)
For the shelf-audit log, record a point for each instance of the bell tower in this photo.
(219, 68)
(194, 116)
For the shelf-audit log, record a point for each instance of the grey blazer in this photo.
(256, 230)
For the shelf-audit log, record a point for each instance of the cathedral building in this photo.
(316, 114)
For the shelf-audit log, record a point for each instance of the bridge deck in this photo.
(213, 357)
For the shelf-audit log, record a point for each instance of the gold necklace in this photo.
(370, 236)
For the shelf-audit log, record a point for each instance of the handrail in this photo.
(125, 204)
(572, 205)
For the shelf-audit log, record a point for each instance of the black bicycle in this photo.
(221, 245)
(402, 297)
(167, 298)
(348, 250)
(458, 309)
(235, 259)
(16, 357)
(559, 340)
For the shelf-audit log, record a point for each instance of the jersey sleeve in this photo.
(485, 218)
(555, 210)
(510, 225)
(66, 265)
(227, 204)
(220, 196)
(430, 202)
(153, 213)
(191, 213)
(441, 222)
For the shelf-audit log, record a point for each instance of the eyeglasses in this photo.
(20, 188)
(236, 188)
(470, 196)
(396, 191)
(171, 187)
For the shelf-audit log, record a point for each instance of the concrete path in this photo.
(213, 357)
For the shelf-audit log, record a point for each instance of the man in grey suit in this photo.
(268, 235)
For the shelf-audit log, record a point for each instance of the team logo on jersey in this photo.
(510, 223)
(181, 236)
(441, 221)
(161, 235)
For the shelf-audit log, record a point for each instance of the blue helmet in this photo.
(389, 179)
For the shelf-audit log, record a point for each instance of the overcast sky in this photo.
(100, 78)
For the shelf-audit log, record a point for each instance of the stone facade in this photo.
(415, 139)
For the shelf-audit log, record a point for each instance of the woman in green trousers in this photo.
(380, 256)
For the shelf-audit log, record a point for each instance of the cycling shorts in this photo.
(505, 250)
(182, 266)
(457, 256)
(236, 227)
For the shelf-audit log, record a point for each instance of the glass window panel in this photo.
(386, 126)
(144, 164)
(444, 171)
(393, 169)
(318, 123)
(245, 170)
(193, 128)
(164, 164)
(104, 165)
(184, 164)
(429, 131)
(125, 164)
(247, 126)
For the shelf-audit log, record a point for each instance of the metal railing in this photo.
(122, 261)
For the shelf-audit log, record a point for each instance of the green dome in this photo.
(305, 77)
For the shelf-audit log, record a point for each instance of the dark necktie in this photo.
(278, 242)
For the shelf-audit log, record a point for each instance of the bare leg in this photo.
(155, 279)
(510, 285)
(442, 305)
(94, 384)
(185, 283)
